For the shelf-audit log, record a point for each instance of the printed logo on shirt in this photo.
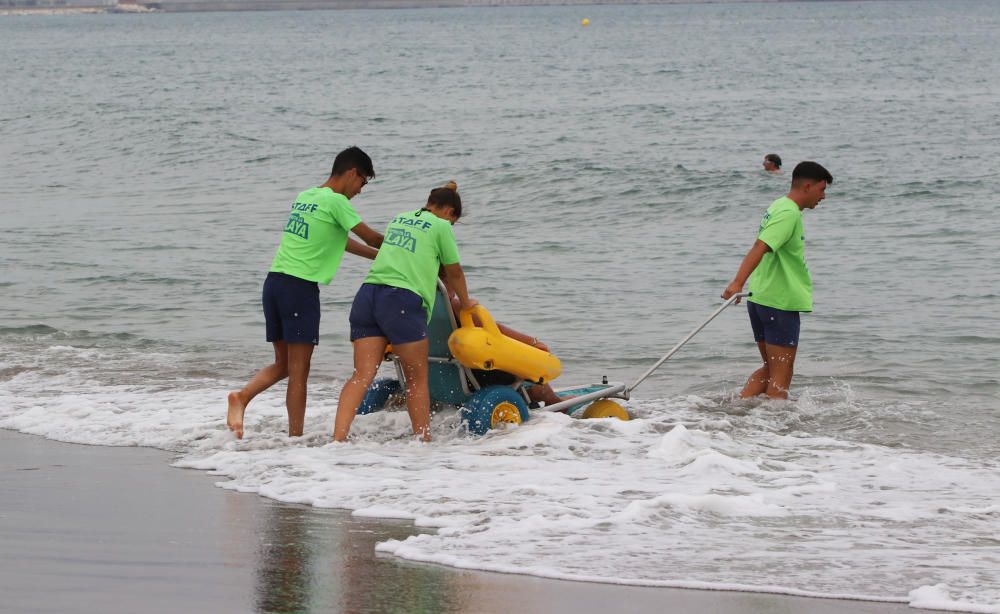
(297, 225)
(408, 221)
(401, 238)
(307, 207)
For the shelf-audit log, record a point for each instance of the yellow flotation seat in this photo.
(485, 347)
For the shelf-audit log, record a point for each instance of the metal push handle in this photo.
(731, 300)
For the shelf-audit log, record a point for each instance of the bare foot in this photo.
(234, 418)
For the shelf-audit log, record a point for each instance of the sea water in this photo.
(612, 180)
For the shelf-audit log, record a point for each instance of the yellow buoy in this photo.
(585, 21)
(485, 347)
(606, 408)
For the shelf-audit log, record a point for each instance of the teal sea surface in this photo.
(612, 180)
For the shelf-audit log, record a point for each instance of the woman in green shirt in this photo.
(395, 302)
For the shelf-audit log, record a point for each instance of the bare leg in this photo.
(780, 364)
(261, 381)
(757, 384)
(418, 400)
(368, 354)
(299, 361)
(545, 394)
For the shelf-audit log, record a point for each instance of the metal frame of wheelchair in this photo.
(481, 407)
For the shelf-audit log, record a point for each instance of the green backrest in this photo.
(443, 379)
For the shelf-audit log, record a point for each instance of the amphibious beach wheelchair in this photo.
(462, 356)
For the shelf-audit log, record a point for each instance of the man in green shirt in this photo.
(312, 245)
(781, 287)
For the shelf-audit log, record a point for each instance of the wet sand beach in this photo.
(98, 529)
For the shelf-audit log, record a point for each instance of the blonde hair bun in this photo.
(451, 185)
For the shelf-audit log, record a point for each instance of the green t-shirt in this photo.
(315, 235)
(416, 244)
(782, 280)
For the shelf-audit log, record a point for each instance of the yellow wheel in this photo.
(492, 406)
(606, 408)
(505, 412)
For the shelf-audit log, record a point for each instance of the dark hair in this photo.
(774, 159)
(810, 171)
(353, 157)
(446, 197)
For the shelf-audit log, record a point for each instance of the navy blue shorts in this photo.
(397, 314)
(774, 326)
(291, 309)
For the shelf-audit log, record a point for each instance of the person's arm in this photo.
(360, 249)
(369, 236)
(750, 262)
(455, 281)
(519, 336)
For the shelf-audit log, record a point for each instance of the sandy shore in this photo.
(94, 529)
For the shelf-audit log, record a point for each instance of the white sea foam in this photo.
(938, 597)
(691, 494)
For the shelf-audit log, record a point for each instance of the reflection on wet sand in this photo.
(283, 560)
(313, 560)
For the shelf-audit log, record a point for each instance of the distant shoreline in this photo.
(77, 10)
(188, 6)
